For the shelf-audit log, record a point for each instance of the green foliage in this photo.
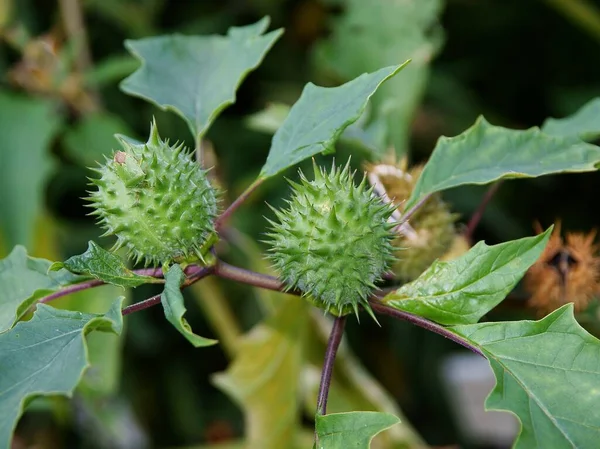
(584, 124)
(463, 290)
(319, 117)
(46, 356)
(264, 377)
(547, 373)
(197, 76)
(377, 33)
(331, 243)
(334, 240)
(172, 302)
(352, 430)
(104, 266)
(485, 153)
(24, 280)
(24, 150)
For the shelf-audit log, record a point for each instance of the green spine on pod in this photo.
(157, 201)
(334, 241)
(432, 228)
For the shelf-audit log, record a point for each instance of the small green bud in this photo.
(157, 201)
(333, 242)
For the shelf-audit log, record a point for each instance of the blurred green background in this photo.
(514, 61)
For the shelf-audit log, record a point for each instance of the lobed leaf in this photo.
(264, 377)
(46, 356)
(319, 117)
(485, 153)
(24, 280)
(548, 374)
(584, 124)
(105, 266)
(463, 290)
(352, 430)
(27, 126)
(366, 138)
(172, 302)
(376, 33)
(197, 76)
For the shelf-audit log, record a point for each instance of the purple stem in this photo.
(72, 289)
(154, 300)
(194, 276)
(222, 219)
(333, 344)
(377, 306)
(409, 213)
(242, 275)
(478, 214)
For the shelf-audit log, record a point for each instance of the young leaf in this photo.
(353, 430)
(486, 153)
(264, 377)
(104, 266)
(197, 76)
(319, 117)
(24, 280)
(172, 301)
(463, 290)
(585, 123)
(548, 374)
(26, 125)
(45, 356)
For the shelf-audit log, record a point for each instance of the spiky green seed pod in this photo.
(333, 242)
(157, 201)
(432, 230)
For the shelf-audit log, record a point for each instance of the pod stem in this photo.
(335, 338)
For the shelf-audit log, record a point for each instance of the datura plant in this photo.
(377, 244)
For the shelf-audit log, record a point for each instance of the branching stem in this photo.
(222, 219)
(478, 214)
(379, 307)
(335, 338)
(224, 270)
(248, 277)
(409, 213)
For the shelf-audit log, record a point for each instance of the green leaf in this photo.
(585, 123)
(377, 33)
(172, 301)
(27, 126)
(104, 349)
(197, 76)
(105, 266)
(353, 430)
(463, 290)
(319, 117)
(548, 374)
(367, 138)
(93, 138)
(24, 280)
(353, 387)
(264, 377)
(485, 153)
(45, 356)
